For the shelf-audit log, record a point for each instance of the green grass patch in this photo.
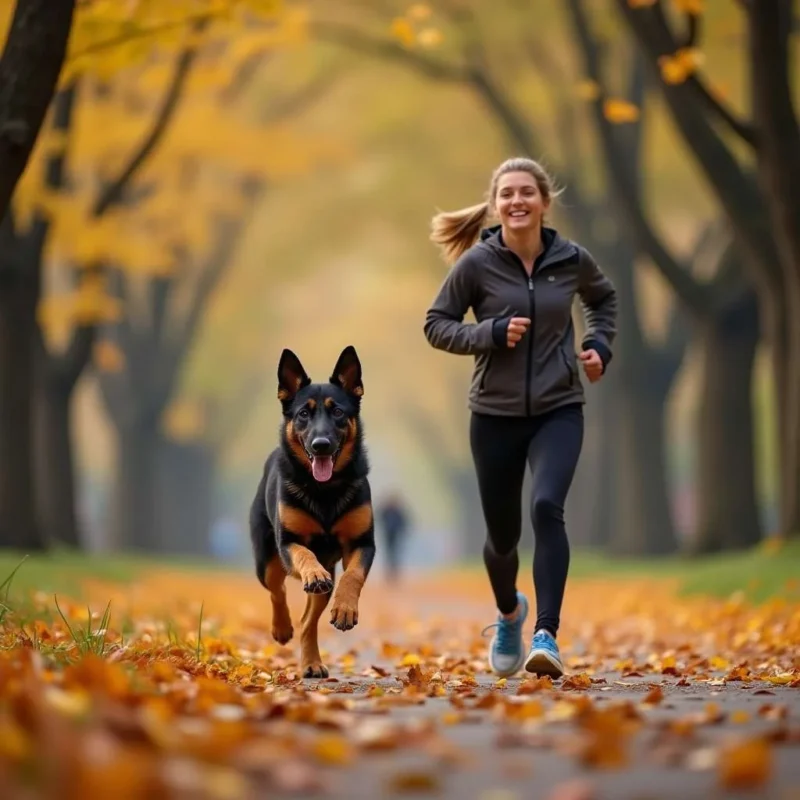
(63, 571)
(760, 573)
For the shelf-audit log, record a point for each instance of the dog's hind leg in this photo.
(275, 581)
(310, 659)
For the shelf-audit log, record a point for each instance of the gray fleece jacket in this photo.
(542, 372)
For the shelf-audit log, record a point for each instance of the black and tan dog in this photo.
(313, 506)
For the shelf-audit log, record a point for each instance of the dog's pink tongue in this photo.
(322, 468)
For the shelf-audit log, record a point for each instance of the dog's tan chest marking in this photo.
(353, 523)
(298, 522)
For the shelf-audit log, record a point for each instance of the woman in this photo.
(520, 278)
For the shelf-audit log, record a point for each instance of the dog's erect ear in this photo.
(347, 372)
(291, 376)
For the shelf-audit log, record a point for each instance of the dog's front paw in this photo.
(317, 581)
(315, 669)
(344, 614)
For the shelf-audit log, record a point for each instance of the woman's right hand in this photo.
(516, 330)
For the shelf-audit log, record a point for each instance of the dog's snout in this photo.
(321, 446)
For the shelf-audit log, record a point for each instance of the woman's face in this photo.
(519, 202)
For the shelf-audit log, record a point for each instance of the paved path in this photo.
(665, 697)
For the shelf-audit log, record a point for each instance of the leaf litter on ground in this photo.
(195, 699)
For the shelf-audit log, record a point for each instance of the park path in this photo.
(665, 696)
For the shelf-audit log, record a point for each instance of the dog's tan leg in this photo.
(344, 612)
(275, 579)
(305, 566)
(310, 659)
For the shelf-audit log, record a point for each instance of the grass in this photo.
(760, 574)
(63, 571)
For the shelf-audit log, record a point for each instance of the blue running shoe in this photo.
(544, 658)
(507, 649)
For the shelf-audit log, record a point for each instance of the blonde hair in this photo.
(456, 231)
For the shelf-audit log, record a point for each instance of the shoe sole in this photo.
(540, 663)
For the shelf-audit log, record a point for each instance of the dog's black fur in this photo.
(313, 506)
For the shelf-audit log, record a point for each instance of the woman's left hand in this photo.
(592, 365)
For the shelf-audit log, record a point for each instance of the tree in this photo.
(102, 44)
(163, 310)
(60, 368)
(32, 57)
(724, 314)
(764, 208)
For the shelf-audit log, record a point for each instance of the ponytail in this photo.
(456, 231)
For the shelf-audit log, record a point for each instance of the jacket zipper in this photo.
(532, 310)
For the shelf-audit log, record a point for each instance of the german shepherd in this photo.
(313, 506)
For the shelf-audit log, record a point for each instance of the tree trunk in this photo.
(185, 497)
(135, 512)
(601, 496)
(727, 506)
(644, 522)
(55, 470)
(770, 32)
(18, 524)
(29, 69)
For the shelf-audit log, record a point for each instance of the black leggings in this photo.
(551, 443)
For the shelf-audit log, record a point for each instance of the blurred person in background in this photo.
(394, 522)
(526, 399)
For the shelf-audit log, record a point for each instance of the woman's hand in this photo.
(592, 365)
(516, 330)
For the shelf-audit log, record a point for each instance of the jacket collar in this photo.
(556, 248)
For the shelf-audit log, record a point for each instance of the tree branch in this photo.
(355, 40)
(737, 191)
(123, 38)
(742, 128)
(622, 172)
(112, 193)
(283, 107)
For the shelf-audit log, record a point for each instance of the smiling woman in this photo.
(520, 279)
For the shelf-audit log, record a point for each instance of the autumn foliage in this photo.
(173, 685)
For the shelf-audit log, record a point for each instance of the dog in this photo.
(313, 506)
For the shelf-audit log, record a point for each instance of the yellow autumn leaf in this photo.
(333, 749)
(402, 30)
(15, 743)
(694, 7)
(745, 765)
(619, 112)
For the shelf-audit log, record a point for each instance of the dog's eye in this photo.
(303, 413)
(338, 413)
